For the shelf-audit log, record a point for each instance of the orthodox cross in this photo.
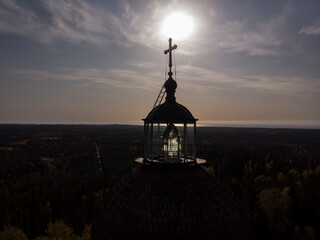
(169, 50)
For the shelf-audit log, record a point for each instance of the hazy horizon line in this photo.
(227, 124)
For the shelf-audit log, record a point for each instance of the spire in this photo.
(170, 85)
(169, 50)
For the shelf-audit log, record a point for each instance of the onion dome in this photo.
(170, 86)
(170, 110)
(170, 202)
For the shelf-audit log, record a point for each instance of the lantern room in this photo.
(170, 131)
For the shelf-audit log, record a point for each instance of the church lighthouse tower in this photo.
(170, 195)
(170, 128)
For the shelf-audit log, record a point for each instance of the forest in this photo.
(53, 178)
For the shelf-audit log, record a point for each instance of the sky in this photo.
(246, 62)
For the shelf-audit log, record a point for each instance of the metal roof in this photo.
(171, 202)
(170, 110)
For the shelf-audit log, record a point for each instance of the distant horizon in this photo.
(218, 124)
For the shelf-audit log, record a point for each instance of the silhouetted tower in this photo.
(170, 128)
(170, 195)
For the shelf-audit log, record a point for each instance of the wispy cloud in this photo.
(95, 23)
(293, 86)
(314, 29)
(125, 23)
(15, 19)
(193, 78)
(261, 38)
(91, 77)
(75, 22)
(232, 80)
(78, 21)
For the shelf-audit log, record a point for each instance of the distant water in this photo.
(262, 124)
(255, 124)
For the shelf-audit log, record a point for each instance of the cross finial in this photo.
(169, 50)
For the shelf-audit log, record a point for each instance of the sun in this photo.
(177, 26)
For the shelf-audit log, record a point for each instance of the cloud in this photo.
(91, 77)
(15, 19)
(78, 22)
(256, 39)
(233, 80)
(293, 86)
(70, 21)
(314, 29)
(131, 23)
(194, 79)
(124, 23)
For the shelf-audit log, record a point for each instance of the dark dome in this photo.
(170, 111)
(170, 85)
(169, 202)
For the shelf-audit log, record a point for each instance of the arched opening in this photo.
(172, 144)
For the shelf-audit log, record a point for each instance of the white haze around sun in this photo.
(177, 26)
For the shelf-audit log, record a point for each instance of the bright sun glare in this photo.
(177, 26)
